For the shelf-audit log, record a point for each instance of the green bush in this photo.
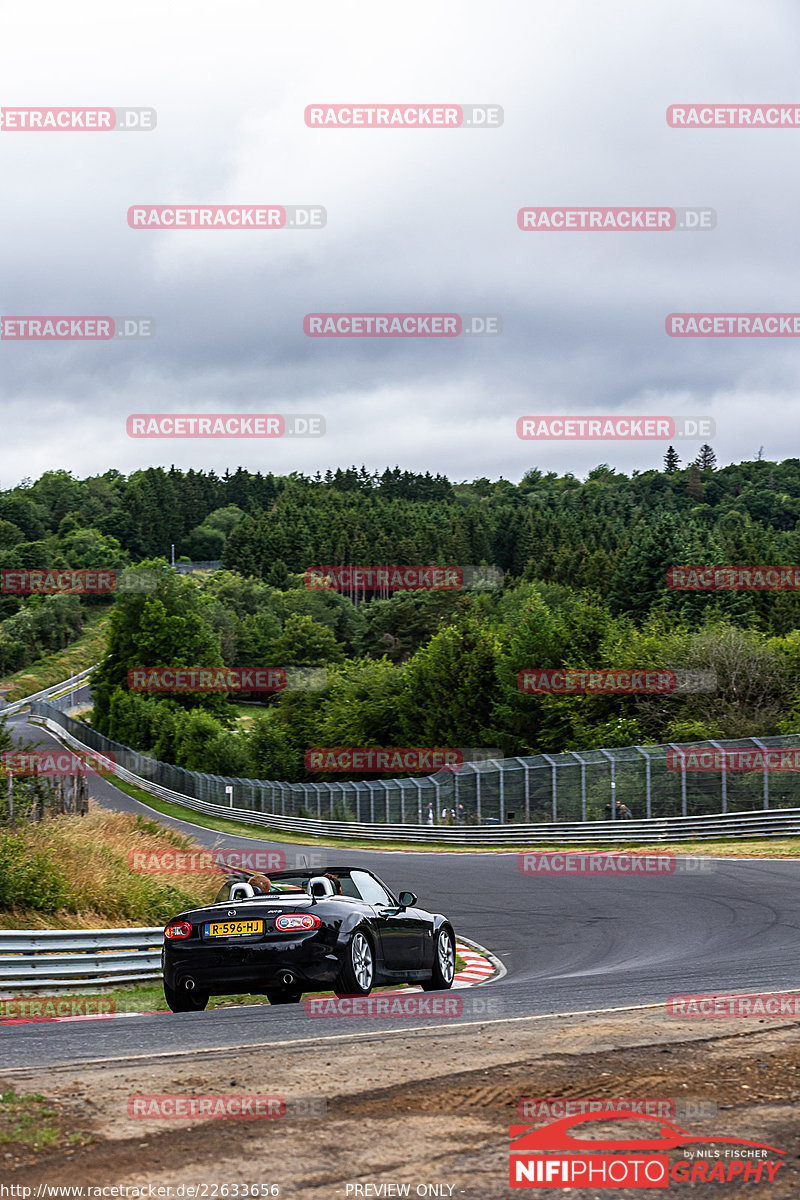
(28, 877)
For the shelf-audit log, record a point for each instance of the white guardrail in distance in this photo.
(56, 689)
(69, 958)
(757, 823)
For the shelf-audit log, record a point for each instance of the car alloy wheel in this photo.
(446, 955)
(444, 963)
(361, 957)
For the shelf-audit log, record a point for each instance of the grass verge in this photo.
(84, 652)
(72, 872)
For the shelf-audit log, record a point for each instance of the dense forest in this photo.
(584, 584)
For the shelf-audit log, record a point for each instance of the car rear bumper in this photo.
(222, 969)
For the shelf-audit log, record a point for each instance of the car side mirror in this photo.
(407, 899)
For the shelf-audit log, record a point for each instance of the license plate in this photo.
(233, 928)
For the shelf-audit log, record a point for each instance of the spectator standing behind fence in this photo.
(430, 814)
(623, 813)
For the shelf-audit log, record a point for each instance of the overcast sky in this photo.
(418, 221)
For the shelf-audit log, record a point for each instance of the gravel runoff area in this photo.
(429, 1107)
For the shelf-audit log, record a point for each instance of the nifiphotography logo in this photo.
(555, 1156)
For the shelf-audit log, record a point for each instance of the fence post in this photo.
(646, 757)
(418, 785)
(527, 771)
(575, 754)
(764, 751)
(723, 773)
(502, 790)
(11, 824)
(682, 756)
(437, 789)
(613, 762)
(478, 792)
(547, 758)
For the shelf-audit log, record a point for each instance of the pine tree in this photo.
(671, 460)
(706, 459)
(695, 485)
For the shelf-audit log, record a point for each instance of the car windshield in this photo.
(358, 886)
(293, 885)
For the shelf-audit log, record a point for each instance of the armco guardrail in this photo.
(68, 958)
(57, 689)
(757, 823)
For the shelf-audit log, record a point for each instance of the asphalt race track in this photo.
(569, 944)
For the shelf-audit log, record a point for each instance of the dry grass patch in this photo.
(75, 872)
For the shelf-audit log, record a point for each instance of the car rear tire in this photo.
(284, 995)
(444, 963)
(184, 1001)
(357, 974)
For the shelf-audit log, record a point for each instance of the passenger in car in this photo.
(260, 884)
(335, 880)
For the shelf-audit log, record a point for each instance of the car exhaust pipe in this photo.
(189, 985)
(287, 979)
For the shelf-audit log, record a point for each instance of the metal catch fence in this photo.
(655, 782)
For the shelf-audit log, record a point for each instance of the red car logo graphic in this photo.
(556, 1136)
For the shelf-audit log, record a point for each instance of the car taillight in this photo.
(178, 929)
(297, 921)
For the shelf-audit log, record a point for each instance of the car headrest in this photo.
(241, 891)
(318, 885)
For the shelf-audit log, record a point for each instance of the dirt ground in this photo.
(428, 1108)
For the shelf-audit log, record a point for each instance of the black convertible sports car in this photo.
(335, 928)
